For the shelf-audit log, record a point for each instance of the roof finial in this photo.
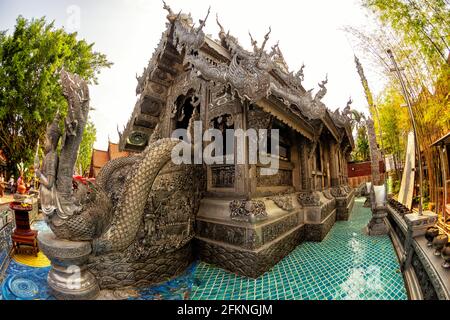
(171, 16)
(275, 50)
(168, 8)
(203, 22)
(349, 102)
(323, 90)
(300, 73)
(222, 30)
(347, 112)
(254, 43)
(266, 38)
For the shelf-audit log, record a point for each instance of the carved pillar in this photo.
(318, 181)
(334, 164)
(345, 166)
(296, 175)
(205, 92)
(306, 181)
(166, 121)
(251, 169)
(242, 170)
(327, 164)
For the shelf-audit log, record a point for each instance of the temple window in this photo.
(284, 145)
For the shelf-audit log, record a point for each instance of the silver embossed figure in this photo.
(47, 189)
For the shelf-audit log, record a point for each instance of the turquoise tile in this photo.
(347, 264)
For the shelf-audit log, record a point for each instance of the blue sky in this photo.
(127, 31)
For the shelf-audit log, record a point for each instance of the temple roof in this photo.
(101, 157)
(251, 76)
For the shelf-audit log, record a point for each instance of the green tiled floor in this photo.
(346, 265)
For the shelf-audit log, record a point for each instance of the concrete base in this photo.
(316, 232)
(432, 278)
(249, 263)
(344, 206)
(69, 278)
(244, 247)
(377, 226)
(418, 225)
(319, 219)
(251, 249)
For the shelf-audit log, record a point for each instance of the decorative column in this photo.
(306, 182)
(378, 193)
(334, 165)
(241, 170)
(296, 175)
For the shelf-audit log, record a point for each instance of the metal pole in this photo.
(413, 122)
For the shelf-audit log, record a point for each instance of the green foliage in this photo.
(86, 148)
(30, 93)
(395, 124)
(418, 33)
(362, 151)
(362, 148)
(423, 24)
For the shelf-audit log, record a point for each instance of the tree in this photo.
(362, 152)
(423, 24)
(30, 92)
(86, 147)
(395, 122)
(418, 32)
(372, 137)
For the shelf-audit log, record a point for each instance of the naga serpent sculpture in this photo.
(139, 214)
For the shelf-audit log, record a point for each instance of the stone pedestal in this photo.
(345, 199)
(248, 247)
(418, 225)
(377, 226)
(69, 278)
(320, 214)
(378, 201)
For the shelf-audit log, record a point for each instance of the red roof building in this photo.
(100, 158)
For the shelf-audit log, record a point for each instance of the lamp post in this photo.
(397, 70)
